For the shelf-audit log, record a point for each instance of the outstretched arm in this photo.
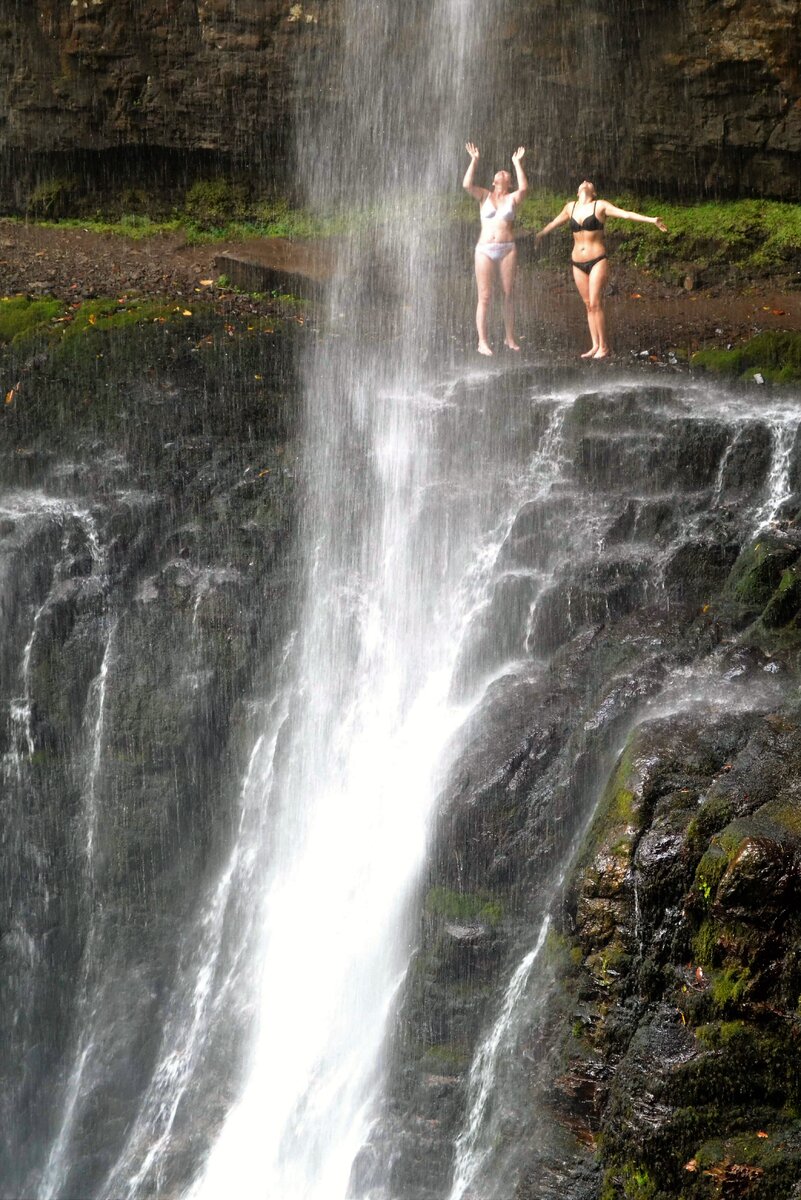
(467, 182)
(611, 210)
(522, 182)
(562, 219)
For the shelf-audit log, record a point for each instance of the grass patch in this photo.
(757, 237)
(464, 906)
(775, 355)
(754, 237)
(26, 323)
(20, 315)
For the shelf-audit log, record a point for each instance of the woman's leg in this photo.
(583, 285)
(595, 307)
(485, 269)
(508, 270)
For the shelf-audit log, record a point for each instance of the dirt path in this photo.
(646, 316)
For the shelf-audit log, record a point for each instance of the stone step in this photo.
(295, 268)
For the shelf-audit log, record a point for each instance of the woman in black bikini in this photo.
(587, 216)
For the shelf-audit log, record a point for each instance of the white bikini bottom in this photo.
(496, 250)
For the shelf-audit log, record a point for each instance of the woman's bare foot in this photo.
(593, 350)
(484, 348)
(603, 352)
(511, 345)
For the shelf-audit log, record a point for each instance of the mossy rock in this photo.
(764, 1163)
(212, 202)
(776, 356)
(758, 571)
(52, 198)
(785, 603)
(473, 907)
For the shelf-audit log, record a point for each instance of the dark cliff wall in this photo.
(678, 97)
(693, 97)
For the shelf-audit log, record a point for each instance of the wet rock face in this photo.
(683, 908)
(702, 95)
(145, 563)
(692, 96)
(631, 607)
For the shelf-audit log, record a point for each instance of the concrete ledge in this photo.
(277, 264)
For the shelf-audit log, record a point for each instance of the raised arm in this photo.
(467, 182)
(611, 210)
(561, 219)
(522, 182)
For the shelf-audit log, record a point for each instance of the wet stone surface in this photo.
(673, 958)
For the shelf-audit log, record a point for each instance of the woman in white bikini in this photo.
(496, 249)
(587, 216)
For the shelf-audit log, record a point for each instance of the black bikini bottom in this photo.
(587, 266)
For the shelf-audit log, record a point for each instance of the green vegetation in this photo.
(729, 987)
(25, 322)
(20, 316)
(51, 198)
(464, 906)
(753, 237)
(775, 355)
(632, 1181)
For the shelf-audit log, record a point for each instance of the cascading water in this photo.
(457, 535)
(368, 717)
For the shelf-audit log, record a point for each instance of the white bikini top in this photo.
(490, 213)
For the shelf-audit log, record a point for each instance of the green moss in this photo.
(213, 202)
(630, 1181)
(464, 906)
(617, 818)
(715, 813)
(776, 355)
(757, 572)
(20, 315)
(450, 1057)
(710, 871)
(608, 965)
(729, 987)
(785, 602)
(719, 1034)
(73, 330)
(51, 198)
(704, 944)
(773, 1154)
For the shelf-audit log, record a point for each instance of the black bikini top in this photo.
(589, 223)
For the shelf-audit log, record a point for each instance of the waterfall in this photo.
(390, 535)
(474, 1144)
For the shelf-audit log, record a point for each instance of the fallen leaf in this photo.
(635, 296)
(187, 312)
(206, 282)
(699, 974)
(10, 395)
(778, 312)
(761, 1133)
(692, 1165)
(92, 318)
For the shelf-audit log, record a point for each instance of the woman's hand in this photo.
(472, 150)
(660, 224)
(518, 154)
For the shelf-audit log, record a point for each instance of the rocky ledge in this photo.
(610, 931)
